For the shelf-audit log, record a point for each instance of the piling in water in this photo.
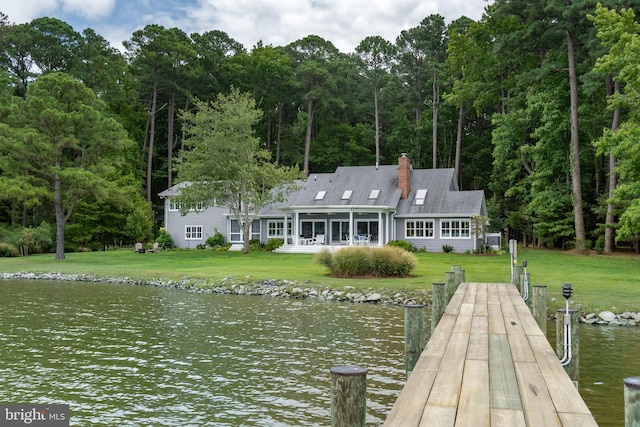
(632, 402)
(438, 304)
(413, 335)
(348, 396)
(450, 285)
(539, 305)
(573, 367)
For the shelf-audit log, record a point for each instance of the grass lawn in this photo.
(600, 282)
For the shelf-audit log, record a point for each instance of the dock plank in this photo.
(488, 364)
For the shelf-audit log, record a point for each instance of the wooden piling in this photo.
(459, 274)
(573, 368)
(348, 396)
(518, 271)
(438, 304)
(632, 402)
(449, 285)
(529, 291)
(413, 335)
(539, 305)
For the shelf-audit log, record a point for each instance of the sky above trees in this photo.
(278, 22)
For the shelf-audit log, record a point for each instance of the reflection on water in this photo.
(127, 355)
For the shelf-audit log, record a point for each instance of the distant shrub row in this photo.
(362, 261)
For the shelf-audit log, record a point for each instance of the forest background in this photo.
(536, 103)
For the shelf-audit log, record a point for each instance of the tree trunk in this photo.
(459, 144)
(307, 138)
(170, 120)
(152, 131)
(279, 135)
(434, 131)
(609, 235)
(57, 196)
(575, 147)
(377, 120)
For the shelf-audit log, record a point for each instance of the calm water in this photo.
(125, 355)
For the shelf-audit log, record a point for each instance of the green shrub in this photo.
(367, 261)
(217, 240)
(164, 239)
(255, 245)
(403, 244)
(447, 248)
(273, 244)
(8, 250)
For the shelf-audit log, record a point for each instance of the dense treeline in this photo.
(525, 104)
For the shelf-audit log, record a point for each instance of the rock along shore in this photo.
(247, 286)
(291, 289)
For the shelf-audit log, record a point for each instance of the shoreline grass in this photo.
(601, 282)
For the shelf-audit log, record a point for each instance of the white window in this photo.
(418, 228)
(374, 194)
(320, 195)
(455, 229)
(235, 235)
(275, 229)
(193, 232)
(176, 206)
(420, 196)
(347, 194)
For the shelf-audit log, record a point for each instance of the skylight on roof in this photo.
(347, 194)
(320, 195)
(421, 194)
(374, 194)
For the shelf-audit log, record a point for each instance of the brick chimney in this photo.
(404, 175)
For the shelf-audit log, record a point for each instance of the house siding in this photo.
(209, 219)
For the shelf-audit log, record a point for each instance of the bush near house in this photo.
(365, 261)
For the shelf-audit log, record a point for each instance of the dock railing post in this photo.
(518, 271)
(573, 367)
(413, 335)
(459, 274)
(449, 285)
(437, 304)
(348, 396)
(539, 305)
(632, 402)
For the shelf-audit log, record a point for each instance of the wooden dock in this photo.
(488, 363)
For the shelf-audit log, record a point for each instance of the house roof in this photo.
(353, 187)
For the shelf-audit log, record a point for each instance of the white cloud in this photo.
(92, 10)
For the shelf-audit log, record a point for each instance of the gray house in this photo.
(355, 205)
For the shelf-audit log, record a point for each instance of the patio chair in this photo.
(154, 248)
(319, 240)
(138, 248)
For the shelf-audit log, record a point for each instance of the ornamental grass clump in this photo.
(367, 261)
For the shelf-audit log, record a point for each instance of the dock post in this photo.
(413, 335)
(459, 274)
(528, 291)
(539, 305)
(518, 278)
(573, 367)
(632, 402)
(348, 396)
(437, 304)
(449, 285)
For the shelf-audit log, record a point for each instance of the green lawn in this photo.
(600, 282)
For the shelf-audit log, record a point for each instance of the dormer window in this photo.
(347, 194)
(421, 194)
(374, 194)
(320, 195)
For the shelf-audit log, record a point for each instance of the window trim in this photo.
(464, 228)
(424, 228)
(190, 230)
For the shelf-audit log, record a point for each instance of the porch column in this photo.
(286, 237)
(380, 243)
(296, 227)
(350, 228)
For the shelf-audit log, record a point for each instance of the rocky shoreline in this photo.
(247, 286)
(291, 289)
